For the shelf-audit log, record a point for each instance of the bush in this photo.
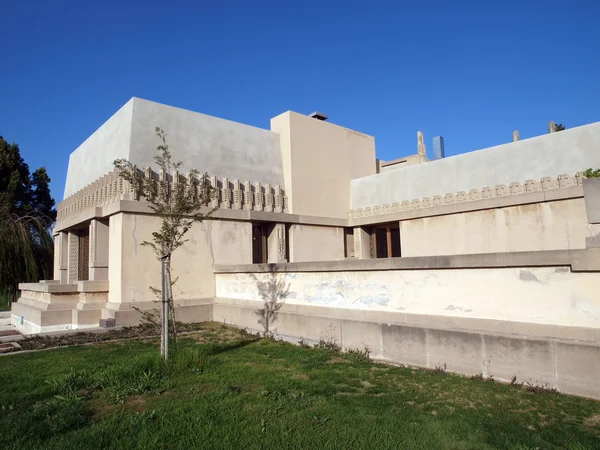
(590, 173)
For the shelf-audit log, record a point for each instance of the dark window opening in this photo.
(348, 243)
(385, 241)
(259, 243)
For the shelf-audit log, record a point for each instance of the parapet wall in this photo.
(217, 146)
(539, 163)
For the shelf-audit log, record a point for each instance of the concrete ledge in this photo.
(92, 286)
(569, 365)
(578, 260)
(141, 207)
(50, 288)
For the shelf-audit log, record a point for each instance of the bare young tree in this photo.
(273, 292)
(179, 202)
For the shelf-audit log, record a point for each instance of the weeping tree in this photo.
(26, 216)
(179, 202)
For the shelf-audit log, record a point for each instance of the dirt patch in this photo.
(338, 360)
(592, 421)
(366, 384)
(135, 403)
(202, 388)
(300, 376)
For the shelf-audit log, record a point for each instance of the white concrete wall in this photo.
(549, 155)
(209, 144)
(551, 295)
(94, 158)
(539, 226)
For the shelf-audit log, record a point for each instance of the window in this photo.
(385, 241)
(348, 243)
(83, 257)
(259, 243)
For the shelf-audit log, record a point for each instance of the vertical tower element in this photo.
(258, 197)
(438, 147)
(551, 127)
(268, 198)
(516, 136)
(237, 195)
(226, 194)
(248, 196)
(421, 149)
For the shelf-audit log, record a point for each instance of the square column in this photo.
(72, 257)
(276, 243)
(362, 243)
(98, 250)
(61, 253)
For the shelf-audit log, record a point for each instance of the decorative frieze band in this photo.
(500, 190)
(226, 195)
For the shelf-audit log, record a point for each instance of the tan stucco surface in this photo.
(134, 268)
(319, 160)
(538, 226)
(310, 243)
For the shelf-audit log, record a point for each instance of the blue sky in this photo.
(470, 71)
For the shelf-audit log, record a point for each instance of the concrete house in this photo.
(485, 262)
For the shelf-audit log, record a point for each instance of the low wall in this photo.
(564, 358)
(532, 287)
(535, 315)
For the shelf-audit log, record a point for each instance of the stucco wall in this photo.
(549, 295)
(210, 144)
(550, 155)
(539, 226)
(220, 147)
(313, 243)
(94, 158)
(133, 268)
(319, 160)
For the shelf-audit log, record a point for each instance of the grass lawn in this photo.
(226, 389)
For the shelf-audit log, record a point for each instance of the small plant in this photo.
(591, 173)
(358, 354)
(439, 369)
(302, 343)
(329, 345)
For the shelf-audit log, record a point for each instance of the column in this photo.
(362, 243)
(98, 250)
(276, 243)
(61, 260)
(72, 257)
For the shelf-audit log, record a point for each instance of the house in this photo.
(485, 262)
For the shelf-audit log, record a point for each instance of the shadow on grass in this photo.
(217, 349)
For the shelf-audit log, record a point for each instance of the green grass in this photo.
(225, 389)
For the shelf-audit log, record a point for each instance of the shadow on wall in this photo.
(273, 293)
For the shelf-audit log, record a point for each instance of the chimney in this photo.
(318, 115)
(516, 136)
(438, 147)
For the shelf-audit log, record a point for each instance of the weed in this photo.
(329, 346)
(302, 343)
